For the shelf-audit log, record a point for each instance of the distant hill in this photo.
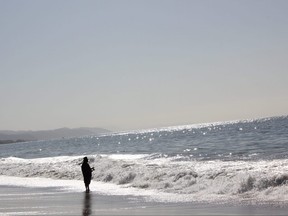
(16, 136)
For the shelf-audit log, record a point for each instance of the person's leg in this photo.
(86, 186)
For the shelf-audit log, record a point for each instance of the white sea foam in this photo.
(161, 179)
(126, 156)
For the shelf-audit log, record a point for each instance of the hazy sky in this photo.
(138, 64)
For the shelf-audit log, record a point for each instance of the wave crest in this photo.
(261, 180)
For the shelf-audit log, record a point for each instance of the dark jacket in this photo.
(87, 172)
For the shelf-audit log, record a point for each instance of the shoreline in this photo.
(17, 200)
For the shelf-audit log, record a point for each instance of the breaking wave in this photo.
(257, 181)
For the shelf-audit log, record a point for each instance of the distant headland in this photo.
(8, 136)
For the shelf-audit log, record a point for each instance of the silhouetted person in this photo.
(87, 173)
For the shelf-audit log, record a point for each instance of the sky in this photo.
(129, 64)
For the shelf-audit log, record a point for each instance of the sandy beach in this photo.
(53, 201)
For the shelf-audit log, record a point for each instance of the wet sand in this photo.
(53, 201)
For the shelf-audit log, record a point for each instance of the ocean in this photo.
(236, 162)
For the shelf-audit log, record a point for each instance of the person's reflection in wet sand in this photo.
(87, 204)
